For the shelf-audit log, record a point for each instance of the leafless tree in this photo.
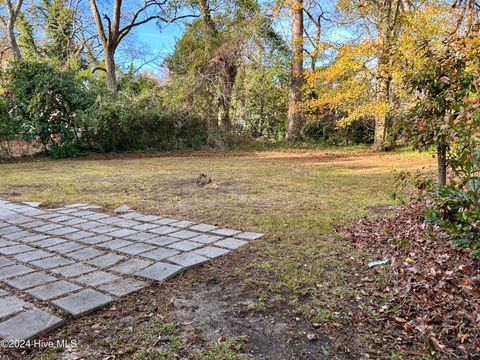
(112, 28)
(8, 21)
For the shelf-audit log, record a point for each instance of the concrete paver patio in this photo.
(77, 259)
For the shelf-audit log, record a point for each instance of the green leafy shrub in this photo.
(44, 102)
(322, 126)
(457, 209)
(129, 121)
(456, 206)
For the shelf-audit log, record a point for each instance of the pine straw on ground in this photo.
(433, 287)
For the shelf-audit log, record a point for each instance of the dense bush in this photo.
(456, 206)
(44, 102)
(137, 122)
(260, 101)
(456, 209)
(323, 127)
(70, 113)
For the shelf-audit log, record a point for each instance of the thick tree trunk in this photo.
(225, 98)
(223, 115)
(295, 118)
(111, 70)
(442, 164)
(380, 132)
(383, 95)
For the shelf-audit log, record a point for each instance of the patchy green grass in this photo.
(295, 196)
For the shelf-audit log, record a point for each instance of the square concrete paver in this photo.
(16, 249)
(143, 227)
(14, 270)
(203, 227)
(79, 235)
(230, 243)
(106, 260)
(73, 270)
(66, 247)
(93, 240)
(30, 280)
(28, 325)
(33, 238)
(53, 290)
(225, 232)
(85, 254)
(10, 305)
(62, 231)
(165, 221)
(89, 225)
(211, 251)
(49, 242)
(47, 227)
(185, 245)
(131, 266)
(122, 287)
(115, 244)
(17, 235)
(147, 218)
(6, 243)
(103, 229)
(122, 233)
(9, 230)
(206, 239)
(5, 262)
(163, 230)
(160, 254)
(127, 223)
(33, 255)
(96, 278)
(160, 271)
(83, 302)
(183, 224)
(141, 236)
(34, 224)
(249, 236)
(161, 240)
(135, 249)
(74, 221)
(184, 234)
(188, 259)
(51, 262)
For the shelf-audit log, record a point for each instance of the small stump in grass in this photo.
(203, 180)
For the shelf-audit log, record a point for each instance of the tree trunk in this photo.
(111, 70)
(225, 98)
(223, 115)
(442, 164)
(207, 16)
(295, 118)
(380, 132)
(383, 95)
(17, 55)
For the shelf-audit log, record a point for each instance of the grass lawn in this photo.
(300, 272)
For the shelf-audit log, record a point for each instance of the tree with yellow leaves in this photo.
(358, 82)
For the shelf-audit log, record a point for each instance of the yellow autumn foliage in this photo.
(350, 83)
